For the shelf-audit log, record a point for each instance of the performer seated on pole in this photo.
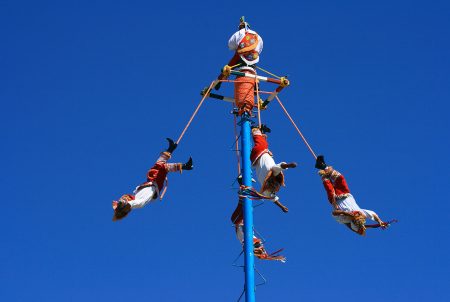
(269, 174)
(237, 218)
(247, 45)
(345, 209)
(150, 190)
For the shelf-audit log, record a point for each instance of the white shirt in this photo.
(143, 196)
(235, 39)
(263, 165)
(348, 204)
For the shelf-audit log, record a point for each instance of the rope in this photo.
(237, 146)
(268, 72)
(257, 101)
(195, 112)
(228, 81)
(164, 190)
(235, 65)
(251, 193)
(298, 130)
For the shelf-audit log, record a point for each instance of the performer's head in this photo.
(122, 207)
(274, 183)
(358, 223)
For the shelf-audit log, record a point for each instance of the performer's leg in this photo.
(143, 197)
(163, 157)
(260, 144)
(173, 167)
(339, 182)
(328, 186)
(238, 216)
(240, 232)
(276, 169)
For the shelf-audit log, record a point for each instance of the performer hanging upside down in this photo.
(258, 247)
(345, 208)
(150, 190)
(269, 174)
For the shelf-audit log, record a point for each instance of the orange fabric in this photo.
(244, 90)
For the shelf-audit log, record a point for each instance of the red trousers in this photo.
(335, 188)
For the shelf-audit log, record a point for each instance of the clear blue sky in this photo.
(90, 89)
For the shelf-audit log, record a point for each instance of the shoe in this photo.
(189, 165)
(265, 129)
(172, 145)
(320, 163)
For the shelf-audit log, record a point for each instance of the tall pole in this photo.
(249, 258)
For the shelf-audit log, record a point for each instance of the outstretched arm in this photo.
(380, 223)
(377, 218)
(281, 206)
(372, 215)
(340, 212)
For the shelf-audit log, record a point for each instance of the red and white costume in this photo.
(237, 218)
(264, 164)
(337, 190)
(156, 177)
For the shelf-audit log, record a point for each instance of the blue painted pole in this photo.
(249, 258)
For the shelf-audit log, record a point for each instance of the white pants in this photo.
(143, 197)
